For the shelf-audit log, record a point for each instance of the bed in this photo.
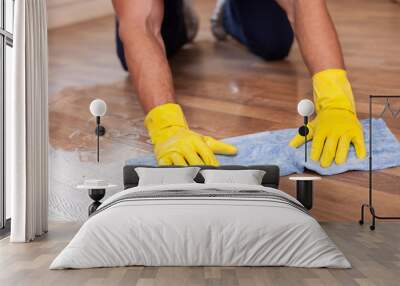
(201, 224)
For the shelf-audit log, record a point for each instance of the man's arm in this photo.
(315, 33)
(336, 126)
(139, 28)
(174, 143)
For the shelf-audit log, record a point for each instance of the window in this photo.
(6, 43)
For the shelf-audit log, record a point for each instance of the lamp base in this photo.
(96, 195)
(100, 130)
(304, 193)
(303, 130)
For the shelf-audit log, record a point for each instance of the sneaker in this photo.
(217, 26)
(191, 20)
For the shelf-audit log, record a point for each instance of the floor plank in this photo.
(375, 258)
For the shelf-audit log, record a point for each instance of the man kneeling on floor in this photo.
(148, 31)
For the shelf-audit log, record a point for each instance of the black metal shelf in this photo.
(369, 205)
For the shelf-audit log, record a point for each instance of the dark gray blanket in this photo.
(206, 194)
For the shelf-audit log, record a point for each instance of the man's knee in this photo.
(263, 26)
(274, 45)
(274, 50)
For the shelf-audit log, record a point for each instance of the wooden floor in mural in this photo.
(225, 91)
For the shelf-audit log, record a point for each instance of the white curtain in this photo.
(27, 123)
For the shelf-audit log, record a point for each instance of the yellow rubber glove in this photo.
(336, 125)
(175, 144)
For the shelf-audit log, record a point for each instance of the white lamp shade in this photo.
(98, 107)
(305, 107)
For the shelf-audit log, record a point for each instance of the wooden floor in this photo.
(375, 258)
(225, 91)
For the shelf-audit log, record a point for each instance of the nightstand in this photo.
(304, 189)
(96, 190)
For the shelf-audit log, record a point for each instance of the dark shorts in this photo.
(261, 25)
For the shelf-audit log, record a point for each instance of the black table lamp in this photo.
(98, 108)
(305, 108)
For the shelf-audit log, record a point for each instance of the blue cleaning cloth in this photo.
(271, 148)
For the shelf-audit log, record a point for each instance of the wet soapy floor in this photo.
(72, 152)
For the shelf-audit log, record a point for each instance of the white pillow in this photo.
(166, 176)
(248, 177)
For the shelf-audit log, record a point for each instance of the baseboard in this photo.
(67, 12)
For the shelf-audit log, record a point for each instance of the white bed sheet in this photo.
(200, 231)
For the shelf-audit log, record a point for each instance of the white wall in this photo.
(66, 12)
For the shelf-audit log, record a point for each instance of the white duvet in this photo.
(200, 231)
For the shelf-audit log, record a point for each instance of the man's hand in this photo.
(332, 132)
(336, 125)
(175, 144)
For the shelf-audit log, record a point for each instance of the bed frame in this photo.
(270, 179)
